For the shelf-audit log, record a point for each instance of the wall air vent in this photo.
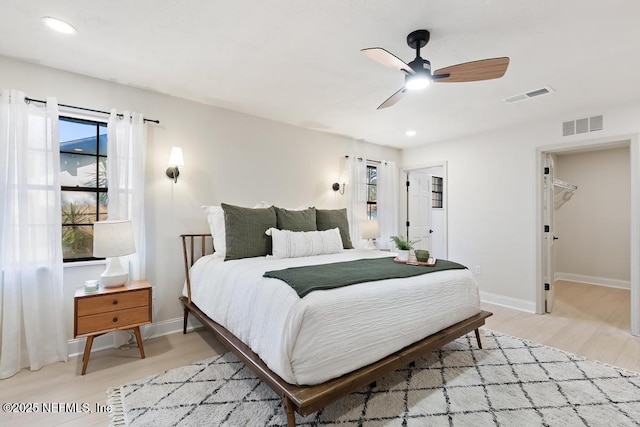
(588, 124)
(528, 95)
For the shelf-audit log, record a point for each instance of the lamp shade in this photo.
(175, 157)
(113, 239)
(370, 229)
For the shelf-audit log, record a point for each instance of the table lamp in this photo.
(111, 240)
(370, 229)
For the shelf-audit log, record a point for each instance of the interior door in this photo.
(548, 258)
(419, 223)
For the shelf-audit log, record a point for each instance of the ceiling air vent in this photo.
(528, 95)
(588, 124)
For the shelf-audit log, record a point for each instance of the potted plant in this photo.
(404, 246)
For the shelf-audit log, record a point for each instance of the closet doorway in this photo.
(587, 206)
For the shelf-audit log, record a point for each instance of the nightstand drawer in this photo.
(110, 302)
(113, 320)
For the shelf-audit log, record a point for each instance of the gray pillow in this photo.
(326, 219)
(245, 231)
(304, 220)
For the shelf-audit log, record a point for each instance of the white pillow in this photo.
(215, 218)
(293, 244)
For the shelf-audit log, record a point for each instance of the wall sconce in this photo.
(344, 179)
(175, 160)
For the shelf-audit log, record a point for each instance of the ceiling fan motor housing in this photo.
(420, 65)
(421, 77)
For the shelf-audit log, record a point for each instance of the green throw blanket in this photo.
(328, 276)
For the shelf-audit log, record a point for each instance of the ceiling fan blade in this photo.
(386, 58)
(393, 99)
(485, 69)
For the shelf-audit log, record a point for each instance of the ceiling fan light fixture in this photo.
(417, 81)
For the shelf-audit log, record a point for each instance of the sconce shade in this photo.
(111, 240)
(370, 229)
(175, 158)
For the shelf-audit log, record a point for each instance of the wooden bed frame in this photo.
(308, 399)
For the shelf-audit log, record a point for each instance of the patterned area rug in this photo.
(510, 382)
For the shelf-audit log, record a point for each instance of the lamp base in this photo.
(113, 281)
(370, 244)
(115, 275)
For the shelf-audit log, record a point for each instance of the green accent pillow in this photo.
(303, 220)
(245, 231)
(326, 219)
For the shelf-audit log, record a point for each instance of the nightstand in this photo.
(111, 309)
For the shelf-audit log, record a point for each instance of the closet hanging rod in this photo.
(28, 100)
(564, 184)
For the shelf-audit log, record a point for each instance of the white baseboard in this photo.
(592, 280)
(509, 302)
(158, 329)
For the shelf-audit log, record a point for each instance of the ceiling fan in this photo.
(418, 72)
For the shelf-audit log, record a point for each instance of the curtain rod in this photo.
(28, 100)
(368, 160)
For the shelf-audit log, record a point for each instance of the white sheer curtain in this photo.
(33, 331)
(357, 190)
(387, 203)
(126, 151)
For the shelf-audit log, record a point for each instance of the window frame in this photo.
(437, 192)
(369, 184)
(97, 190)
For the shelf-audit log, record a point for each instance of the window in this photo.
(372, 192)
(436, 192)
(83, 181)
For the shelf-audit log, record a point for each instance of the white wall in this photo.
(229, 157)
(493, 182)
(593, 226)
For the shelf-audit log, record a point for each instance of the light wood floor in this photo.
(592, 321)
(588, 320)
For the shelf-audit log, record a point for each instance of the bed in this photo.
(314, 350)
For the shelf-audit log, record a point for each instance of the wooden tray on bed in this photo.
(429, 263)
(308, 399)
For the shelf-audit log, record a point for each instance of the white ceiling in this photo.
(298, 61)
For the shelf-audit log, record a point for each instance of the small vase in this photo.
(403, 255)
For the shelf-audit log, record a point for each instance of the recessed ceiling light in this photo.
(58, 25)
(410, 133)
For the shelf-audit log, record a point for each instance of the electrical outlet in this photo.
(478, 269)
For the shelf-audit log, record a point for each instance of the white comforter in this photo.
(332, 332)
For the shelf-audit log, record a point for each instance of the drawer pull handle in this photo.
(115, 302)
(115, 319)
